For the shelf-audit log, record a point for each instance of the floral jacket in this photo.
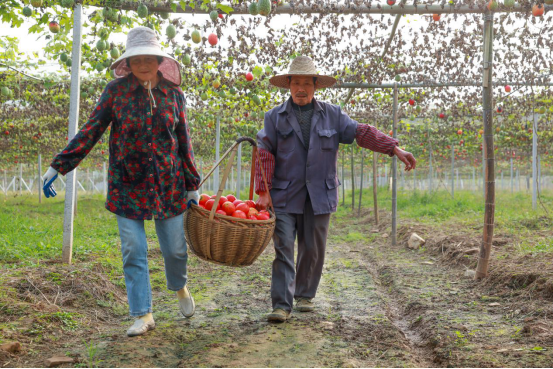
(151, 161)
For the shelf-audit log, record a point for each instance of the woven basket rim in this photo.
(238, 220)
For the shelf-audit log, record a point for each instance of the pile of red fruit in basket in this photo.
(231, 206)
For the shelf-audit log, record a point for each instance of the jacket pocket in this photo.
(332, 183)
(279, 192)
(327, 137)
(332, 192)
(286, 140)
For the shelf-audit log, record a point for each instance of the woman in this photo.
(151, 167)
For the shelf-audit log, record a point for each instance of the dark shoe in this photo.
(278, 316)
(304, 304)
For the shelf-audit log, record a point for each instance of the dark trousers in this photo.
(289, 282)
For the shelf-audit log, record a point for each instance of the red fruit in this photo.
(442, 115)
(243, 207)
(213, 196)
(391, 133)
(237, 120)
(228, 207)
(237, 202)
(249, 76)
(220, 16)
(252, 217)
(222, 200)
(203, 198)
(222, 212)
(54, 27)
(461, 142)
(209, 204)
(436, 17)
(460, 132)
(250, 203)
(391, 2)
(212, 39)
(6, 133)
(103, 152)
(265, 212)
(246, 114)
(262, 216)
(537, 10)
(252, 211)
(352, 101)
(507, 88)
(231, 198)
(239, 214)
(411, 102)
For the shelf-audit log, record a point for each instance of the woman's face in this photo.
(144, 67)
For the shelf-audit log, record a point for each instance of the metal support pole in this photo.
(489, 212)
(105, 173)
(217, 148)
(239, 171)
(39, 179)
(352, 181)
(67, 249)
(535, 162)
(452, 172)
(343, 179)
(394, 170)
(361, 184)
(20, 178)
(512, 184)
(484, 165)
(375, 188)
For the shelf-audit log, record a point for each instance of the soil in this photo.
(377, 305)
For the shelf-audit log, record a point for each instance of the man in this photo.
(151, 174)
(299, 151)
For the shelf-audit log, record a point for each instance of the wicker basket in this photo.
(224, 239)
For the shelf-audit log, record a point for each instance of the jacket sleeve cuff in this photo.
(268, 162)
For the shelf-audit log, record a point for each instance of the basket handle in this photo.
(232, 150)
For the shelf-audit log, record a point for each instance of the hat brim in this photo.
(170, 72)
(282, 80)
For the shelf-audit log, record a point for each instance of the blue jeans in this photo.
(134, 248)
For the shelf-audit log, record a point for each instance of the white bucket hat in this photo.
(143, 41)
(302, 66)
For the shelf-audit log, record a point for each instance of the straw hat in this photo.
(143, 41)
(302, 66)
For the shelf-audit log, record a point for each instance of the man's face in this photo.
(302, 90)
(144, 67)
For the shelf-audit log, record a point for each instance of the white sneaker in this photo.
(140, 327)
(186, 304)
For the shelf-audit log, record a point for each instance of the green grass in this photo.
(513, 213)
(31, 232)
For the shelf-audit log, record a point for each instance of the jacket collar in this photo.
(317, 106)
(134, 83)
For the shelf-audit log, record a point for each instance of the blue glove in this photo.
(49, 178)
(193, 197)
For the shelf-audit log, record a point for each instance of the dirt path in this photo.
(377, 305)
